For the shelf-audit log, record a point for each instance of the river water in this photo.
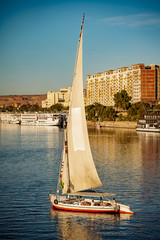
(128, 164)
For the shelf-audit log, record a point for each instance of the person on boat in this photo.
(92, 203)
(101, 201)
(114, 202)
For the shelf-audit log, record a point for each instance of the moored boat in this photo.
(150, 122)
(47, 120)
(40, 119)
(91, 204)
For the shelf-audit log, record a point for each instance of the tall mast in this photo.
(82, 26)
(80, 36)
(82, 173)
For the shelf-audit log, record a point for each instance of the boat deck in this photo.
(88, 205)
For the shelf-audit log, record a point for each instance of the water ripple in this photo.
(128, 164)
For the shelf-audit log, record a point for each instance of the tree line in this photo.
(58, 107)
(123, 110)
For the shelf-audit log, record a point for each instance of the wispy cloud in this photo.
(136, 20)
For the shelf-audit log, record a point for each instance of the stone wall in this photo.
(116, 124)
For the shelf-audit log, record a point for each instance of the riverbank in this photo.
(114, 124)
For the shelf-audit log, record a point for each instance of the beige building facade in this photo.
(96, 90)
(101, 87)
(54, 97)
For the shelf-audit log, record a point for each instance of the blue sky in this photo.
(38, 40)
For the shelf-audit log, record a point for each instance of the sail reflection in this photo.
(39, 129)
(117, 157)
(76, 225)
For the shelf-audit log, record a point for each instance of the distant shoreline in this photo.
(114, 124)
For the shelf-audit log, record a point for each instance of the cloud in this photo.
(136, 20)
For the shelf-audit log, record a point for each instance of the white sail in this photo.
(82, 172)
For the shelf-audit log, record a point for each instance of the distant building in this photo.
(141, 82)
(150, 83)
(53, 97)
(62, 97)
(96, 90)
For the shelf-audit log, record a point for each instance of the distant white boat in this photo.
(149, 123)
(11, 118)
(78, 174)
(47, 121)
(35, 119)
(148, 129)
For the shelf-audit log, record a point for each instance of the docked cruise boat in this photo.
(47, 120)
(11, 118)
(40, 119)
(149, 123)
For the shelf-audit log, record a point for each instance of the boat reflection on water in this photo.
(78, 225)
(37, 129)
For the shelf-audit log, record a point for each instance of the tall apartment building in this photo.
(141, 82)
(150, 83)
(53, 97)
(96, 89)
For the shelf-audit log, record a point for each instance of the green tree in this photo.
(122, 100)
(92, 115)
(94, 111)
(10, 109)
(108, 114)
(157, 107)
(137, 110)
(35, 108)
(100, 112)
(121, 118)
(58, 107)
(25, 108)
(89, 107)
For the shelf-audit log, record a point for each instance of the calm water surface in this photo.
(128, 164)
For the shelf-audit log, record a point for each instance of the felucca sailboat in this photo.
(78, 175)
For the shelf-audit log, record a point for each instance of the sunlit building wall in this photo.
(53, 98)
(150, 83)
(141, 82)
(96, 89)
